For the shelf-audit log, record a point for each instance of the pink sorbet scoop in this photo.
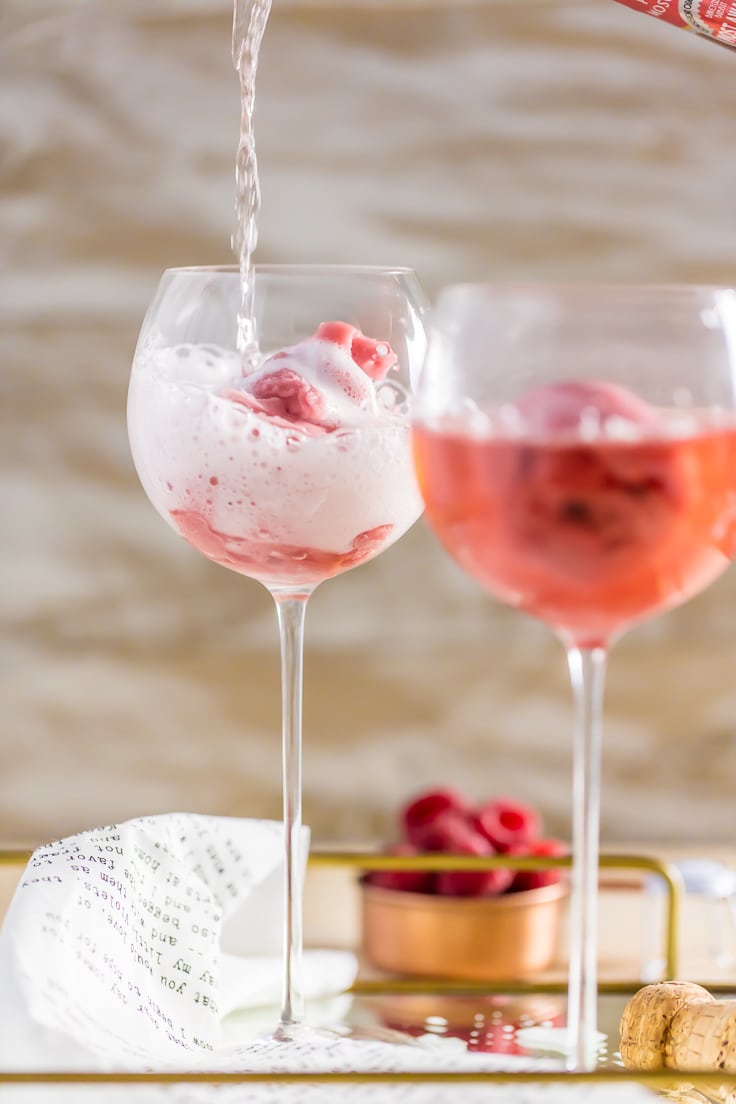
(321, 383)
(559, 407)
(576, 502)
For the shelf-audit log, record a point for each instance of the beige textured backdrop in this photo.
(537, 139)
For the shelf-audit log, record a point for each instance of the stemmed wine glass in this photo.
(576, 451)
(291, 470)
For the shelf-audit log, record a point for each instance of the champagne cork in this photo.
(679, 1026)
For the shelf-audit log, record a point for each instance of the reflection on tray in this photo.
(484, 1023)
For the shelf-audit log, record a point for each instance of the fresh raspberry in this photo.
(409, 881)
(449, 831)
(535, 879)
(458, 838)
(506, 824)
(418, 816)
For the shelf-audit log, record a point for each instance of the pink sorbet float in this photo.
(560, 407)
(291, 473)
(595, 511)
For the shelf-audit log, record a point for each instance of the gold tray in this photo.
(408, 1003)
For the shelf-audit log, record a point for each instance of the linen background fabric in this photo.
(512, 139)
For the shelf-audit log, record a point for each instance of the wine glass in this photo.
(576, 451)
(290, 471)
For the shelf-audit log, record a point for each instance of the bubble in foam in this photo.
(621, 429)
(476, 421)
(681, 424)
(590, 424)
(288, 486)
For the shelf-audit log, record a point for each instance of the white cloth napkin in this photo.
(117, 946)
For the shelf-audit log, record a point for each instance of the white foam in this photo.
(506, 423)
(195, 449)
(205, 366)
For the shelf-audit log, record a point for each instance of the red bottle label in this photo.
(715, 18)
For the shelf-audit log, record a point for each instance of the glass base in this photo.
(306, 1034)
(558, 1040)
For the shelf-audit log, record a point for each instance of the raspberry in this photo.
(506, 824)
(457, 838)
(535, 879)
(450, 831)
(419, 815)
(410, 881)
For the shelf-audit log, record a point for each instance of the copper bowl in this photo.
(504, 938)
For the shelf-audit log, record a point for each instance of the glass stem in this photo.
(291, 611)
(587, 673)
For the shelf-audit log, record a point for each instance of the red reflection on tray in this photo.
(486, 1025)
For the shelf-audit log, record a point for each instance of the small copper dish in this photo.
(504, 938)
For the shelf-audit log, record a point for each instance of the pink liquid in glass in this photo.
(588, 536)
(292, 473)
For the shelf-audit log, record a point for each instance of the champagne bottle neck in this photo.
(716, 19)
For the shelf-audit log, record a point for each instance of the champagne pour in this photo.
(249, 23)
